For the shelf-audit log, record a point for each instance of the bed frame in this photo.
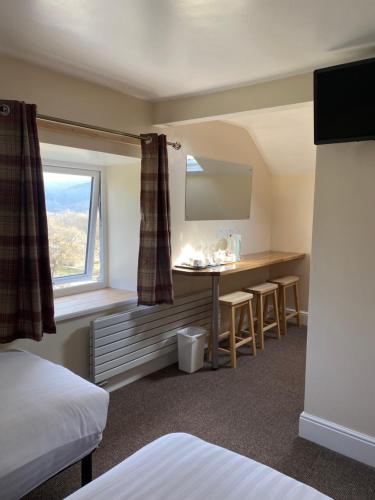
(86, 469)
(88, 435)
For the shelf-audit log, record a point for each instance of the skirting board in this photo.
(341, 439)
(304, 315)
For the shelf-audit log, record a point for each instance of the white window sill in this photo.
(84, 304)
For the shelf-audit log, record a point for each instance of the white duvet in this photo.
(183, 467)
(49, 419)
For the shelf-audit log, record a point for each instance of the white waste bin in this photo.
(191, 343)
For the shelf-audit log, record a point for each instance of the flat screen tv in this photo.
(344, 102)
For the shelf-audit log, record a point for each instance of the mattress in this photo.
(49, 419)
(183, 467)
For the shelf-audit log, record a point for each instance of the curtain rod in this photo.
(51, 119)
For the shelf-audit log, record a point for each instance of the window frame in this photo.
(83, 282)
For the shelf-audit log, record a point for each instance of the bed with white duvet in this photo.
(184, 467)
(50, 418)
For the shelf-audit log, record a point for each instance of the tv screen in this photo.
(344, 102)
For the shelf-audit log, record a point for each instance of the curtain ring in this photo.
(4, 109)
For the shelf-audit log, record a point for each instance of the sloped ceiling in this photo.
(284, 136)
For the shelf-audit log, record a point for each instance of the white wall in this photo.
(123, 208)
(341, 336)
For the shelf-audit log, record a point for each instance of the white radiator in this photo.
(123, 341)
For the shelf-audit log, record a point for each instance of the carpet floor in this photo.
(252, 410)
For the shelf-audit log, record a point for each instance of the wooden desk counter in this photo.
(247, 263)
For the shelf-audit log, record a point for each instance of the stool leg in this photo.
(240, 321)
(232, 339)
(265, 309)
(250, 320)
(260, 322)
(296, 303)
(283, 310)
(276, 311)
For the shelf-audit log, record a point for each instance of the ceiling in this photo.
(284, 136)
(157, 49)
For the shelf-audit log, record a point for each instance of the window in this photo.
(75, 227)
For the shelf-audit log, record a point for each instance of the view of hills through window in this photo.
(69, 202)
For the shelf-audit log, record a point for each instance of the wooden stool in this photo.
(263, 292)
(241, 301)
(284, 283)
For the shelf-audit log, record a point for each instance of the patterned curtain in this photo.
(154, 260)
(26, 297)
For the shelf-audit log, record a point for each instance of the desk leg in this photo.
(215, 321)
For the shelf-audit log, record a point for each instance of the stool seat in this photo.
(263, 292)
(262, 288)
(234, 298)
(285, 280)
(237, 302)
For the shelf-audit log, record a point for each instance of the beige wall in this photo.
(69, 98)
(281, 209)
(221, 104)
(292, 216)
(227, 142)
(341, 337)
(215, 140)
(68, 347)
(73, 99)
(221, 141)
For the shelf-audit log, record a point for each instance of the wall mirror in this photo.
(217, 190)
